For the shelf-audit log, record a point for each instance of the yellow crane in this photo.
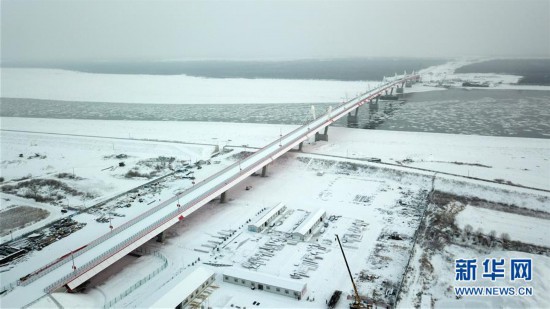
(357, 303)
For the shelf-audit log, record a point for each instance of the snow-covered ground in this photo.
(173, 89)
(91, 160)
(83, 156)
(292, 179)
(388, 199)
(445, 74)
(438, 291)
(523, 161)
(334, 192)
(526, 229)
(13, 201)
(181, 89)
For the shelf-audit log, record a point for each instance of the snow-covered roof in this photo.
(265, 279)
(309, 222)
(263, 219)
(182, 290)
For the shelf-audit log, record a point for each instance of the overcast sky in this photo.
(48, 30)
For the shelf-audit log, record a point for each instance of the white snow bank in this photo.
(170, 89)
(445, 73)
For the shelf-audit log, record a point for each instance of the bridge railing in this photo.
(8, 287)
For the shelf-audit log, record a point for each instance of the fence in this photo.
(97, 260)
(136, 285)
(420, 229)
(8, 287)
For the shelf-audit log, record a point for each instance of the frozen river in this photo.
(518, 113)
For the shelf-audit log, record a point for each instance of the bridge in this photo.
(109, 248)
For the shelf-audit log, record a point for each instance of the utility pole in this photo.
(72, 258)
(68, 203)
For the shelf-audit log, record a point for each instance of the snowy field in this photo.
(393, 226)
(174, 89)
(523, 161)
(437, 288)
(392, 200)
(527, 229)
(87, 165)
(304, 193)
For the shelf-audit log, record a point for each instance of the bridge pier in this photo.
(299, 148)
(388, 97)
(399, 90)
(322, 137)
(161, 237)
(222, 197)
(353, 119)
(264, 171)
(373, 106)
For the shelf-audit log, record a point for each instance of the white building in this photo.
(265, 282)
(263, 221)
(307, 226)
(182, 294)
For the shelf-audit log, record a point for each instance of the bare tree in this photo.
(34, 189)
(492, 237)
(505, 239)
(468, 229)
(479, 235)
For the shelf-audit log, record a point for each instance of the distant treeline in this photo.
(534, 71)
(330, 69)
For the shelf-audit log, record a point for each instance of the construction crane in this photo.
(357, 303)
